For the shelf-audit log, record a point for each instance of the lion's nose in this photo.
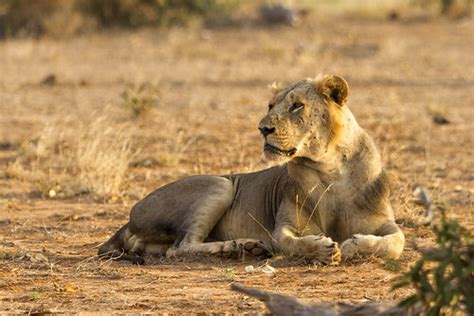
(266, 130)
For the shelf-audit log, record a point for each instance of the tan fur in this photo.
(328, 195)
(336, 125)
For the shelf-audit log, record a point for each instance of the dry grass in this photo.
(104, 152)
(212, 86)
(70, 158)
(140, 99)
(176, 149)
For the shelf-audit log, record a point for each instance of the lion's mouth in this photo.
(279, 151)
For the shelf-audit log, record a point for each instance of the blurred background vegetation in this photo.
(59, 18)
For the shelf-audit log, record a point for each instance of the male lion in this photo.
(329, 194)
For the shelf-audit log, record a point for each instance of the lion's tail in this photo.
(114, 248)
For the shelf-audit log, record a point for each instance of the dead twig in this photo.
(283, 305)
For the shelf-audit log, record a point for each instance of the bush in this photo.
(139, 100)
(58, 17)
(104, 151)
(133, 13)
(71, 157)
(444, 275)
(23, 16)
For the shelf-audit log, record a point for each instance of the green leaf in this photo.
(425, 284)
(409, 301)
(403, 282)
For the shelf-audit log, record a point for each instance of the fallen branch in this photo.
(283, 305)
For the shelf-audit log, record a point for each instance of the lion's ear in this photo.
(333, 88)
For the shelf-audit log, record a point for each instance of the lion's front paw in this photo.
(232, 249)
(359, 245)
(349, 248)
(331, 255)
(321, 249)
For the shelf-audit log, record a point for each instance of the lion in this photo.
(325, 200)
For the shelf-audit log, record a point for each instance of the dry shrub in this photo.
(23, 16)
(66, 21)
(71, 158)
(175, 149)
(55, 138)
(34, 18)
(140, 99)
(67, 17)
(133, 13)
(46, 160)
(49, 182)
(104, 152)
(18, 171)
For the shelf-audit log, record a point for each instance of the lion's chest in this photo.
(335, 216)
(343, 222)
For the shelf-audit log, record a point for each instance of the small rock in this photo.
(278, 14)
(49, 80)
(266, 269)
(440, 119)
(393, 15)
(421, 196)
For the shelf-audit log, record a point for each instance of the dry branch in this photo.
(284, 305)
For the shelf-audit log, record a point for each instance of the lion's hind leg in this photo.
(213, 202)
(228, 249)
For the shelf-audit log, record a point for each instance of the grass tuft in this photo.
(70, 158)
(103, 155)
(139, 100)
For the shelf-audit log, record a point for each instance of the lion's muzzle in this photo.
(275, 150)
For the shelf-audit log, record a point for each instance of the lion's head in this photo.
(303, 118)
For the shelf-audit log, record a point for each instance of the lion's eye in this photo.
(270, 106)
(295, 107)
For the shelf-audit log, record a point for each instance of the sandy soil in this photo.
(213, 90)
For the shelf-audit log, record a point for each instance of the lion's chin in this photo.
(272, 153)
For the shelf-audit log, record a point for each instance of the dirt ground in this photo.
(212, 87)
